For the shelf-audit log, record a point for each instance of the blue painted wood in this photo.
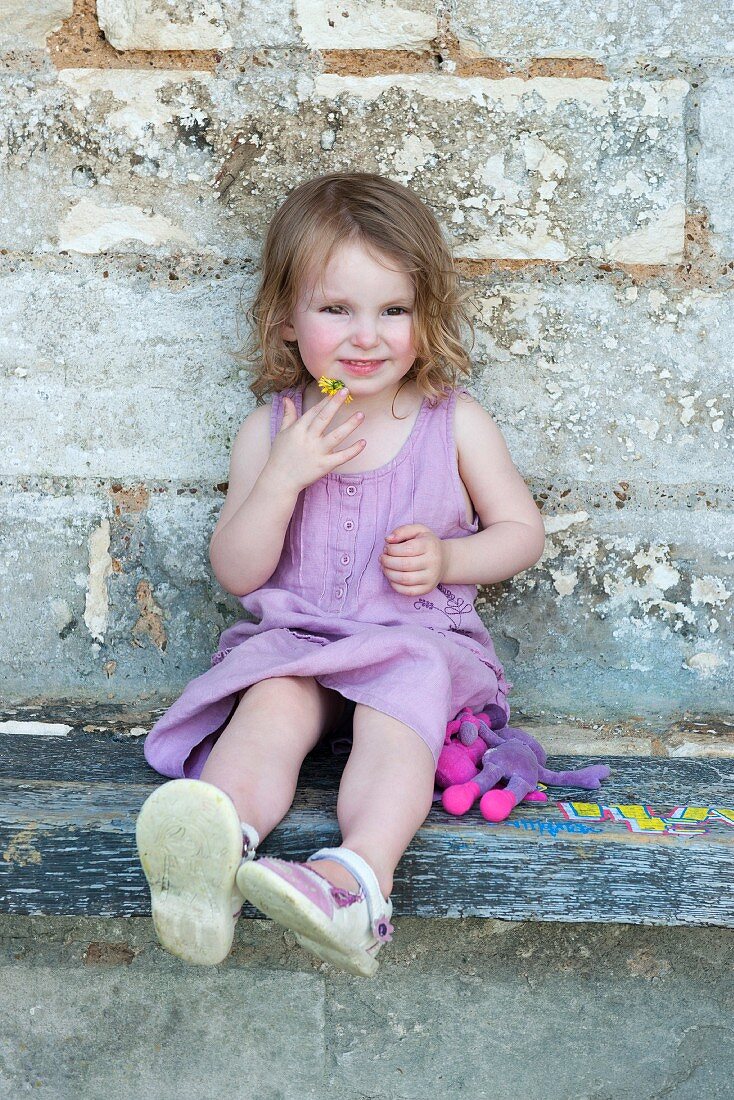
(67, 840)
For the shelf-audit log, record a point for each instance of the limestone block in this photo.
(45, 560)
(109, 593)
(118, 427)
(252, 24)
(110, 161)
(103, 363)
(714, 178)
(89, 575)
(574, 28)
(163, 24)
(609, 383)
(620, 592)
(24, 24)
(547, 168)
(367, 24)
(90, 227)
(590, 384)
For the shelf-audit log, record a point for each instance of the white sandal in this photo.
(191, 842)
(343, 928)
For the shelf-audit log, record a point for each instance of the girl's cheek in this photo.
(322, 340)
(408, 333)
(408, 343)
(328, 343)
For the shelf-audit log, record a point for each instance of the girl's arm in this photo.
(513, 535)
(247, 541)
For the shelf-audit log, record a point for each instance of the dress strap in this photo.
(276, 414)
(277, 408)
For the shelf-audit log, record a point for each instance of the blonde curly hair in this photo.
(385, 217)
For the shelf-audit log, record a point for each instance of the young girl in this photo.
(351, 530)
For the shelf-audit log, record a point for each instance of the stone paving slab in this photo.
(470, 1008)
(111, 1031)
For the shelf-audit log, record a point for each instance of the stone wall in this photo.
(581, 158)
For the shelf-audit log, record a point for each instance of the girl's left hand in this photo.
(415, 559)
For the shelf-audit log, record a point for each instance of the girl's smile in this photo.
(362, 366)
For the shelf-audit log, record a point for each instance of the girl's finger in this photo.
(322, 406)
(412, 576)
(402, 564)
(409, 590)
(332, 403)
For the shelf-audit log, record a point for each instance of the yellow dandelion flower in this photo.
(331, 386)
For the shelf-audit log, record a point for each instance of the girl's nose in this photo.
(365, 333)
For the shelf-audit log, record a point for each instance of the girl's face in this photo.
(360, 311)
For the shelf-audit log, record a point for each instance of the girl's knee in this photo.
(295, 708)
(373, 727)
(276, 692)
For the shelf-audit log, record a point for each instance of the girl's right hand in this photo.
(303, 451)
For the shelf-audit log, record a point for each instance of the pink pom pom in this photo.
(457, 800)
(497, 805)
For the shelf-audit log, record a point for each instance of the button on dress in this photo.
(328, 610)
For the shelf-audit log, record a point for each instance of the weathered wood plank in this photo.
(68, 848)
(103, 758)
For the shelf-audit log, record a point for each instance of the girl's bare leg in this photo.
(385, 795)
(257, 758)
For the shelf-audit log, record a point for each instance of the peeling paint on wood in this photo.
(537, 865)
(35, 729)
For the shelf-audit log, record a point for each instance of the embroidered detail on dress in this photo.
(455, 609)
(496, 668)
(220, 655)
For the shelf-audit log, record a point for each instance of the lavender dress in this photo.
(328, 611)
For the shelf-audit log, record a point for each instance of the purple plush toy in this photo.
(501, 752)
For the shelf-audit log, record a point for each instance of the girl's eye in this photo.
(401, 308)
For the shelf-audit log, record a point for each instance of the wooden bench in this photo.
(68, 807)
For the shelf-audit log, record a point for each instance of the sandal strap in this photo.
(250, 839)
(363, 873)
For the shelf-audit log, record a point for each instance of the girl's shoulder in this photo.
(449, 393)
(470, 419)
(462, 393)
(459, 396)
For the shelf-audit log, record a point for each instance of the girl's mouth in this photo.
(362, 366)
